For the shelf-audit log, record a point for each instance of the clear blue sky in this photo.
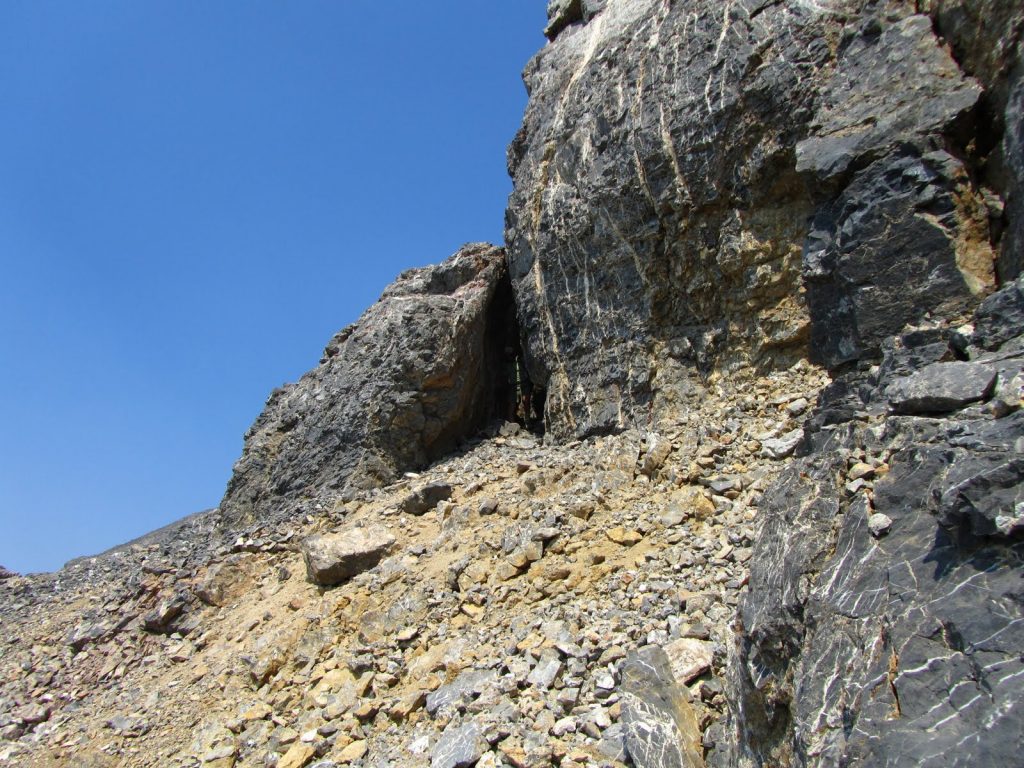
(194, 196)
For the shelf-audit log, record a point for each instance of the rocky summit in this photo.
(718, 461)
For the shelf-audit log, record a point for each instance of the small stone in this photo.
(425, 498)
(460, 690)
(879, 524)
(162, 617)
(859, 470)
(408, 634)
(856, 486)
(408, 704)
(565, 725)
(459, 747)
(657, 451)
(797, 407)
(620, 535)
(354, 751)
(689, 657)
(297, 756)
(547, 669)
(604, 682)
(783, 446)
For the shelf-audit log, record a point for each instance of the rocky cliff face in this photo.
(707, 187)
(414, 375)
(762, 258)
(883, 622)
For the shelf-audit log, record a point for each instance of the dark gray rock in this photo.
(398, 388)
(1000, 318)
(461, 690)
(562, 13)
(989, 500)
(984, 37)
(460, 746)
(336, 557)
(873, 262)
(162, 618)
(905, 648)
(1011, 261)
(6, 574)
(423, 499)
(659, 724)
(941, 387)
(670, 159)
(859, 112)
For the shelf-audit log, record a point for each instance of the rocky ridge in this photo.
(761, 266)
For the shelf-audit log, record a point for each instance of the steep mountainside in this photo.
(719, 461)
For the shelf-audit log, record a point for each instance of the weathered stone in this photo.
(879, 524)
(227, 581)
(660, 726)
(941, 387)
(889, 632)
(623, 536)
(161, 618)
(548, 667)
(459, 746)
(297, 756)
(656, 451)
(783, 446)
(425, 498)
(561, 13)
(354, 751)
(461, 690)
(334, 558)
(396, 389)
(689, 658)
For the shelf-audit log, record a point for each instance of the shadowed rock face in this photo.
(398, 388)
(702, 187)
(899, 646)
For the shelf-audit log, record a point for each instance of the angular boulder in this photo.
(336, 557)
(423, 499)
(414, 375)
(460, 746)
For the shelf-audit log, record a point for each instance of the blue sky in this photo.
(194, 196)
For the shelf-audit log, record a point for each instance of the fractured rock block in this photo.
(941, 388)
(459, 747)
(334, 558)
(661, 727)
(424, 499)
